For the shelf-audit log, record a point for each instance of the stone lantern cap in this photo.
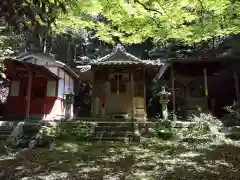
(164, 96)
(163, 92)
(68, 92)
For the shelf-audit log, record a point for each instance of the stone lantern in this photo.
(68, 98)
(164, 101)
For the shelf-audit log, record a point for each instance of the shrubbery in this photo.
(78, 131)
(233, 118)
(164, 130)
(203, 126)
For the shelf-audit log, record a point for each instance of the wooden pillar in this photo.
(29, 92)
(173, 93)
(236, 85)
(132, 93)
(93, 98)
(205, 83)
(144, 90)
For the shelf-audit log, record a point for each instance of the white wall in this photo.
(65, 83)
(14, 90)
(51, 88)
(54, 70)
(60, 88)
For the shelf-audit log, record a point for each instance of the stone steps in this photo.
(121, 139)
(113, 134)
(114, 131)
(112, 128)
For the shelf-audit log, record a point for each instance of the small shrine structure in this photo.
(38, 85)
(119, 84)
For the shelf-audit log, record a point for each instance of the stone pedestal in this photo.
(164, 111)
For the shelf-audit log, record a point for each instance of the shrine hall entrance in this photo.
(118, 91)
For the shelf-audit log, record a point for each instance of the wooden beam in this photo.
(173, 93)
(29, 91)
(132, 94)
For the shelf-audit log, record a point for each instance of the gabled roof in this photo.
(45, 60)
(119, 56)
(12, 69)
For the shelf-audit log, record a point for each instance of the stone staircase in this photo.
(114, 131)
(111, 130)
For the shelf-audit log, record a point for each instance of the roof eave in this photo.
(66, 68)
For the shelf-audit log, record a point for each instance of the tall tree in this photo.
(20, 14)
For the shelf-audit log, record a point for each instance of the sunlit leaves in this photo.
(189, 21)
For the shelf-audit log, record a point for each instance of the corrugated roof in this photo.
(119, 56)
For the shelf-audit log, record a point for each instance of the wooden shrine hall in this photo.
(119, 84)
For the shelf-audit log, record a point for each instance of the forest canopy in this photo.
(134, 21)
(79, 30)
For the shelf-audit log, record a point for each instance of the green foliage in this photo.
(163, 130)
(80, 131)
(155, 87)
(136, 21)
(21, 14)
(9, 43)
(77, 131)
(204, 125)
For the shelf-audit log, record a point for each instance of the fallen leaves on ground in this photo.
(151, 159)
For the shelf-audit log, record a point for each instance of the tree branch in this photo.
(163, 9)
(147, 8)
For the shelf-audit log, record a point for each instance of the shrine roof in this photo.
(14, 68)
(120, 56)
(44, 60)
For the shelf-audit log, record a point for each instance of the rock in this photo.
(15, 137)
(32, 144)
(27, 139)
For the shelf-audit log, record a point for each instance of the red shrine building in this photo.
(38, 83)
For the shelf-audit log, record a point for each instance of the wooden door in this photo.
(118, 95)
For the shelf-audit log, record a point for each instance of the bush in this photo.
(203, 126)
(77, 131)
(233, 118)
(81, 131)
(163, 130)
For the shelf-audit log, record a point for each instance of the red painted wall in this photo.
(16, 106)
(40, 104)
